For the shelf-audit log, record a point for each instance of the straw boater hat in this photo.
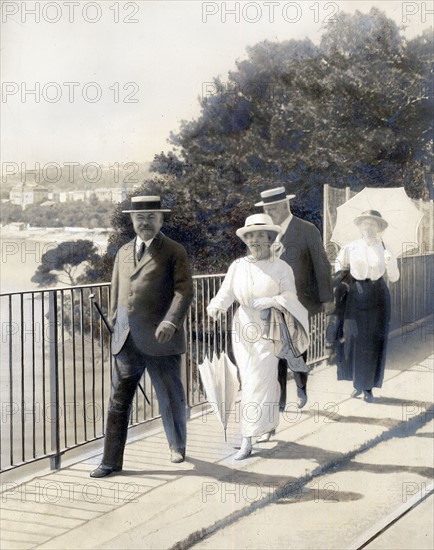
(372, 215)
(258, 222)
(271, 196)
(146, 203)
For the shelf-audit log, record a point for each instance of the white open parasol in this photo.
(394, 206)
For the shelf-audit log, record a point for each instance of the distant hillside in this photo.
(72, 214)
(58, 177)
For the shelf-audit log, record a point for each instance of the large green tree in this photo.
(353, 110)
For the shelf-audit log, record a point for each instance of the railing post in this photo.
(431, 227)
(325, 217)
(184, 376)
(54, 379)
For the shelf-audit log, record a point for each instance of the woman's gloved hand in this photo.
(263, 303)
(214, 312)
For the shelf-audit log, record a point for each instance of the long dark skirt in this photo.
(362, 355)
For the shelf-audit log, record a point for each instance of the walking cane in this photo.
(109, 328)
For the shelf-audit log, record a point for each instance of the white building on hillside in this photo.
(28, 193)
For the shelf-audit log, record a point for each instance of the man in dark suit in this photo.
(150, 295)
(301, 247)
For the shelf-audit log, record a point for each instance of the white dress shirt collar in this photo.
(139, 241)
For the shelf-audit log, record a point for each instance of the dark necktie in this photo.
(141, 251)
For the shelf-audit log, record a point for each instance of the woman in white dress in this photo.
(257, 282)
(361, 352)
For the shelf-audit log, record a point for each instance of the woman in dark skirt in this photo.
(365, 307)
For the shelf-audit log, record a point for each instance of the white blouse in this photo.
(367, 261)
(248, 279)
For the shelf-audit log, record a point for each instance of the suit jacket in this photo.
(144, 293)
(304, 252)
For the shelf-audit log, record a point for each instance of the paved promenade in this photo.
(332, 477)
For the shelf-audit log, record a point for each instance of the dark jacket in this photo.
(304, 252)
(144, 293)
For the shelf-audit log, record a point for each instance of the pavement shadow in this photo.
(313, 494)
(427, 435)
(292, 451)
(218, 472)
(280, 488)
(283, 451)
(409, 408)
(395, 401)
(423, 471)
(331, 418)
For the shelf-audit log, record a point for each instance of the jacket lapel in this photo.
(291, 233)
(149, 254)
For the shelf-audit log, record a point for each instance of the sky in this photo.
(111, 79)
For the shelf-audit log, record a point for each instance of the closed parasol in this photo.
(220, 381)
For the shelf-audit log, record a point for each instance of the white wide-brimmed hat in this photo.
(271, 196)
(372, 215)
(258, 222)
(146, 203)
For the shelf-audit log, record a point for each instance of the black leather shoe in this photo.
(103, 471)
(302, 397)
(177, 456)
(356, 393)
(369, 396)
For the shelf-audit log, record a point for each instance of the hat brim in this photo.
(288, 197)
(241, 232)
(146, 210)
(381, 222)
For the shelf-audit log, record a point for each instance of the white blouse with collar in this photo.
(367, 261)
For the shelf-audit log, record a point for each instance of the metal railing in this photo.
(56, 364)
(55, 372)
(55, 361)
(412, 297)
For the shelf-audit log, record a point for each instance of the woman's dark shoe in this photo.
(356, 393)
(369, 396)
(104, 471)
(302, 397)
(266, 437)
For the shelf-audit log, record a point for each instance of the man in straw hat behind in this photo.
(150, 295)
(300, 245)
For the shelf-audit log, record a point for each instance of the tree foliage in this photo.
(62, 263)
(354, 110)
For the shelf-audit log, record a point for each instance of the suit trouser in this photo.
(282, 375)
(165, 374)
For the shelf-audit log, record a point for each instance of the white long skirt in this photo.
(258, 371)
